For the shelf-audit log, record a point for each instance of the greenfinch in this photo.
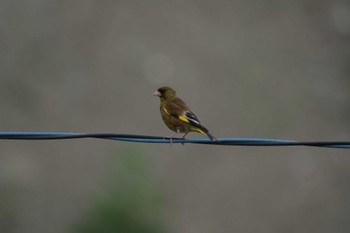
(177, 116)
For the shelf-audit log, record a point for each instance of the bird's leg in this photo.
(170, 139)
(183, 137)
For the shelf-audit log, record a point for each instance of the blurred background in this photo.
(271, 69)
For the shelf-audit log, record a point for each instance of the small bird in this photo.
(177, 115)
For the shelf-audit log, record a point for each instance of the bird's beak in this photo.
(157, 93)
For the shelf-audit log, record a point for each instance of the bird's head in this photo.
(165, 93)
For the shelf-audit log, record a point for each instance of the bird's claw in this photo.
(170, 139)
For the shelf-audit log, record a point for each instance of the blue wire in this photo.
(157, 139)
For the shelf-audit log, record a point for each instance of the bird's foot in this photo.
(183, 138)
(170, 139)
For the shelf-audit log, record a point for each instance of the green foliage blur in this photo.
(129, 204)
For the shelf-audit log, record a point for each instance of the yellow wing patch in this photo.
(184, 119)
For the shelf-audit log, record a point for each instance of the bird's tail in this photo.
(204, 130)
(211, 137)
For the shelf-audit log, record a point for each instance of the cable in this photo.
(157, 139)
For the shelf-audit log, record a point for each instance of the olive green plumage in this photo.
(177, 115)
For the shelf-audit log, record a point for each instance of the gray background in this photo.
(272, 69)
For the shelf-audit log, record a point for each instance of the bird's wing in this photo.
(191, 118)
(178, 109)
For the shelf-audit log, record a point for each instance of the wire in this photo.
(157, 139)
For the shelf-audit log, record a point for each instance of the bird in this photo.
(177, 116)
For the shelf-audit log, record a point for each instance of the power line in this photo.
(157, 139)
